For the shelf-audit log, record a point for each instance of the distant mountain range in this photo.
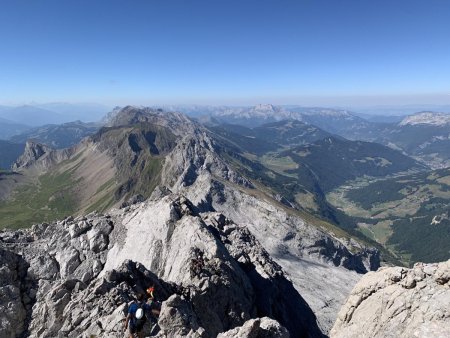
(9, 128)
(267, 113)
(381, 118)
(423, 135)
(426, 118)
(9, 152)
(399, 110)
(58, 135)
(31, 115)
(52, 113)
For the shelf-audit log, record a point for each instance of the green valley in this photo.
(409, 214)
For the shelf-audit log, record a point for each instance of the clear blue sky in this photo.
(144, 52)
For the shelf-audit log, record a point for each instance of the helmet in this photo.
(150, 291)
(139, 313)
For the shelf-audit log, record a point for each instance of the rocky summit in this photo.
(75, 278)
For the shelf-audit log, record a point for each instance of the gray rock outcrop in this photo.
(398, 302)
(306, 252)
(76, 278)
(40, 157)
(236, 272)
(257, 328)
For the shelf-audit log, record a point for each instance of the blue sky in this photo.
(225, 52)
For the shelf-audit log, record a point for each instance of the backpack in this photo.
(139, 316)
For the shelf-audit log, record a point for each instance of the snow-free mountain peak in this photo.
(427, 118)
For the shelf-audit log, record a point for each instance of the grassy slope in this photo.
(48, 199)
(138, 152)
(335, 161)
(138, 156)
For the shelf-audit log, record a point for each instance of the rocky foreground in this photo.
(76, 277)
(398, 302)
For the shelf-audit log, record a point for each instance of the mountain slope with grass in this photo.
(301, 162)
(334, 161)
(104, 170)
(58, 135)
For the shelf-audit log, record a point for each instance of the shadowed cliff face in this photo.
(14, 303)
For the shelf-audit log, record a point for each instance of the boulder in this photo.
(68, 261)
(398, 302)
(177, 319)
(257, 328)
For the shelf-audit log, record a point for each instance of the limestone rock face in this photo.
(307, 253)
(398, 302)
(323, 268)
(178, 319)
(195, 156)
(52, 261)
(33, 151)
(129, 115)
(210, 274)
(40, 156)
(236, 278)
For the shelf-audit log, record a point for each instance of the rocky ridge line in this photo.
(70, 291)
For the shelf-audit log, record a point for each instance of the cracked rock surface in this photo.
(76, 277)
(398, 302)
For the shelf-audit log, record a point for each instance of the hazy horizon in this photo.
(370, 109)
